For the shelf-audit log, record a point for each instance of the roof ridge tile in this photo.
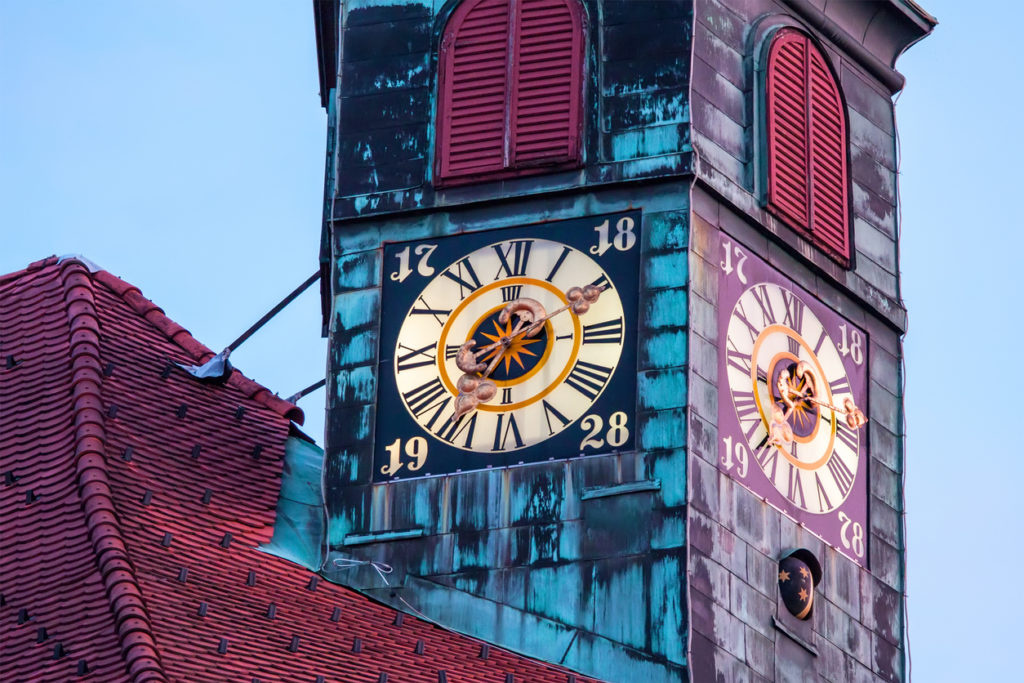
(199, 352)
(133, 625)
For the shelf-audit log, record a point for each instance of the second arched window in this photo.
(806, 126)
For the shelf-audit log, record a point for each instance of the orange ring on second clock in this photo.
(782, 357)
(776, 328)
(441, 342)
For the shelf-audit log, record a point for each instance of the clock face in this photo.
(792, 418)
(508, 346)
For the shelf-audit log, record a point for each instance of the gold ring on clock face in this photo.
(537, 364)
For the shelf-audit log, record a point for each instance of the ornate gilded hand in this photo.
(807, 390)
(475, 388)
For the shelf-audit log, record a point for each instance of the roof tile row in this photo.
(140, 561)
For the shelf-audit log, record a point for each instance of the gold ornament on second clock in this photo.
(475, 388)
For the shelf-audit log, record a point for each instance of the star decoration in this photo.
(802, 410)
(783, 576)
(515, 350)
(803, 595)
(804, 573)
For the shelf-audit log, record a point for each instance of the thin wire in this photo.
(351, 563)
(382, 569)
(903, 394)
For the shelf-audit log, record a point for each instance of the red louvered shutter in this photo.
(474, 89)
(829, 219)
(510, 91)
(807, 172)
(546, 83)
(787, 128)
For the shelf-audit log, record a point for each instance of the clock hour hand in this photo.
(476, 389)
(473, 389)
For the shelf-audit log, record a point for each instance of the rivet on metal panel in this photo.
(166, 542)
(420, 646)
(112, 410)
(196, 450)
(256, 451)
(399, 618)
(126, 454)
(11, 362)
(22, 616)
(442, 677)
(109, 370)
(41, 634)
(271, 611)
(83, 667)
(222, 647)
(10, 478)
(147, 497)
(226, 541)
(250, 580)
(166, 372)
(313, 580)
(58, 651)
(182, 410)
(357, 645)
(510, 678)
(207, 495)
(30, 497)
(183, 574)
(239, 412)
(485, 651)
(383, 678)
(202, 609)
(294, 645)
(336, 614)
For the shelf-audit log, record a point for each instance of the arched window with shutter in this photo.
(510, 89)
(806, 130)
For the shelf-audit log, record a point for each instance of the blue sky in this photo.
(180, 146)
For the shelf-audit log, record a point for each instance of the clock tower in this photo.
(615, 328)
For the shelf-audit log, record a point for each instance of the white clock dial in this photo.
(792, 398)
(545, 382)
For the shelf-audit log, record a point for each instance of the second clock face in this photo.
(547, 315)
(793, 383)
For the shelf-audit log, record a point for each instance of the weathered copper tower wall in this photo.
(655, 561)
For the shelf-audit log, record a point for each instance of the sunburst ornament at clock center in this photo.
(516, 345)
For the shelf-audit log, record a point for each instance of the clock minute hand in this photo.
(855, 417)
(474, 389)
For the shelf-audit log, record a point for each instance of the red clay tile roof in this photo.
(133, 498)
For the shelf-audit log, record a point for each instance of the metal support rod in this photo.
(274, 311)
(308, 390)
